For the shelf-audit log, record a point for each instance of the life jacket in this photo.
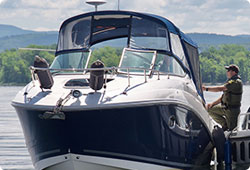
(231, 98)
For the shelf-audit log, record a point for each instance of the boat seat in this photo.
(44, 76)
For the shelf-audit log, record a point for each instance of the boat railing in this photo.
(243, 122)
(112, 70)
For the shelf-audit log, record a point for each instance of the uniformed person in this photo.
(226, 109)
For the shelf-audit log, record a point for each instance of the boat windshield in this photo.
(139, 60)
(168, 64)
(75, 60)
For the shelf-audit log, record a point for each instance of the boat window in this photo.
(193, 56)
(177, 48)
(75, 35)
(84, 32)
(146, 34)
(140, 59)
(168, 64)
(76, 60)
(185, 118)
(105, 27)
(109, 52)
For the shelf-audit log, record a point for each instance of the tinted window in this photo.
(146, 34)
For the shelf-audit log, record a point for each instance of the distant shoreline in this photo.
(216, 84)
(12, 84)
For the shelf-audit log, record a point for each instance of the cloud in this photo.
(10, 4)
(44, 4)
(224, 16)
(33, 15)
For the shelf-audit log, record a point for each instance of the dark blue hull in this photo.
(157, 134)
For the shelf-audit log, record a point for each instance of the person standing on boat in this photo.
(226, 109)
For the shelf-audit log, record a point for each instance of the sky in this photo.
(230, 17)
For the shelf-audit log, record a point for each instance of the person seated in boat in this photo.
(226, 109)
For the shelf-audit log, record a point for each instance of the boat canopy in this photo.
(143, 31)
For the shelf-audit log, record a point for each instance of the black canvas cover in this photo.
(193, 56)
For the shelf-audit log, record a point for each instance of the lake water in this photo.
(13, 151)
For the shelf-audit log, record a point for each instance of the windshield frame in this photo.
(151, 71)
(137, 73)
(72, 69)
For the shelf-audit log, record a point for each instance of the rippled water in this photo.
(13, 151)
(245, 103)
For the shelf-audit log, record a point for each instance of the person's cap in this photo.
(233, 67)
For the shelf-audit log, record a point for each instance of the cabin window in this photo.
(75, 35)
(168, 64)
(193, 55)
(106, 27)
(177, 48)
(181, 117)
(185, 118)
(146, 34)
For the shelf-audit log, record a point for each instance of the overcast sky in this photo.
(231, 17)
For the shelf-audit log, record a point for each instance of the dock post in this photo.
(228, 153)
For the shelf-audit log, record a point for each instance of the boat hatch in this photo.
(77, 82)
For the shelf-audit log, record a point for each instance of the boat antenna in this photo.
(96, 3)
(118, 5)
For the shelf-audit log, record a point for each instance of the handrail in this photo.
(244, 120)
(128, 77)
(105, 69)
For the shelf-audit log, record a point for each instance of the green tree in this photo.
(108, 55)
(214, 59)
(14, 64)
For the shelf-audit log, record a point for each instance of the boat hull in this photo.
(82, 162)
(152, 134)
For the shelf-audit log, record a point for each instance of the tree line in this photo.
(14, 63)
(213, 60)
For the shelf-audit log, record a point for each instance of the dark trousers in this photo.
(226, 117)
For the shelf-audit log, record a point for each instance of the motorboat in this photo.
(240, 141)
(147, 112)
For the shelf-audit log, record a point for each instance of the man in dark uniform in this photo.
(226, 109)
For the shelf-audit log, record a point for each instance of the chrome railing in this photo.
(112, 70)
(243, 122)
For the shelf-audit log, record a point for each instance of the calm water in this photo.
(13, 153)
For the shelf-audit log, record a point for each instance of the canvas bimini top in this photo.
(91, 28)
(143, 31)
